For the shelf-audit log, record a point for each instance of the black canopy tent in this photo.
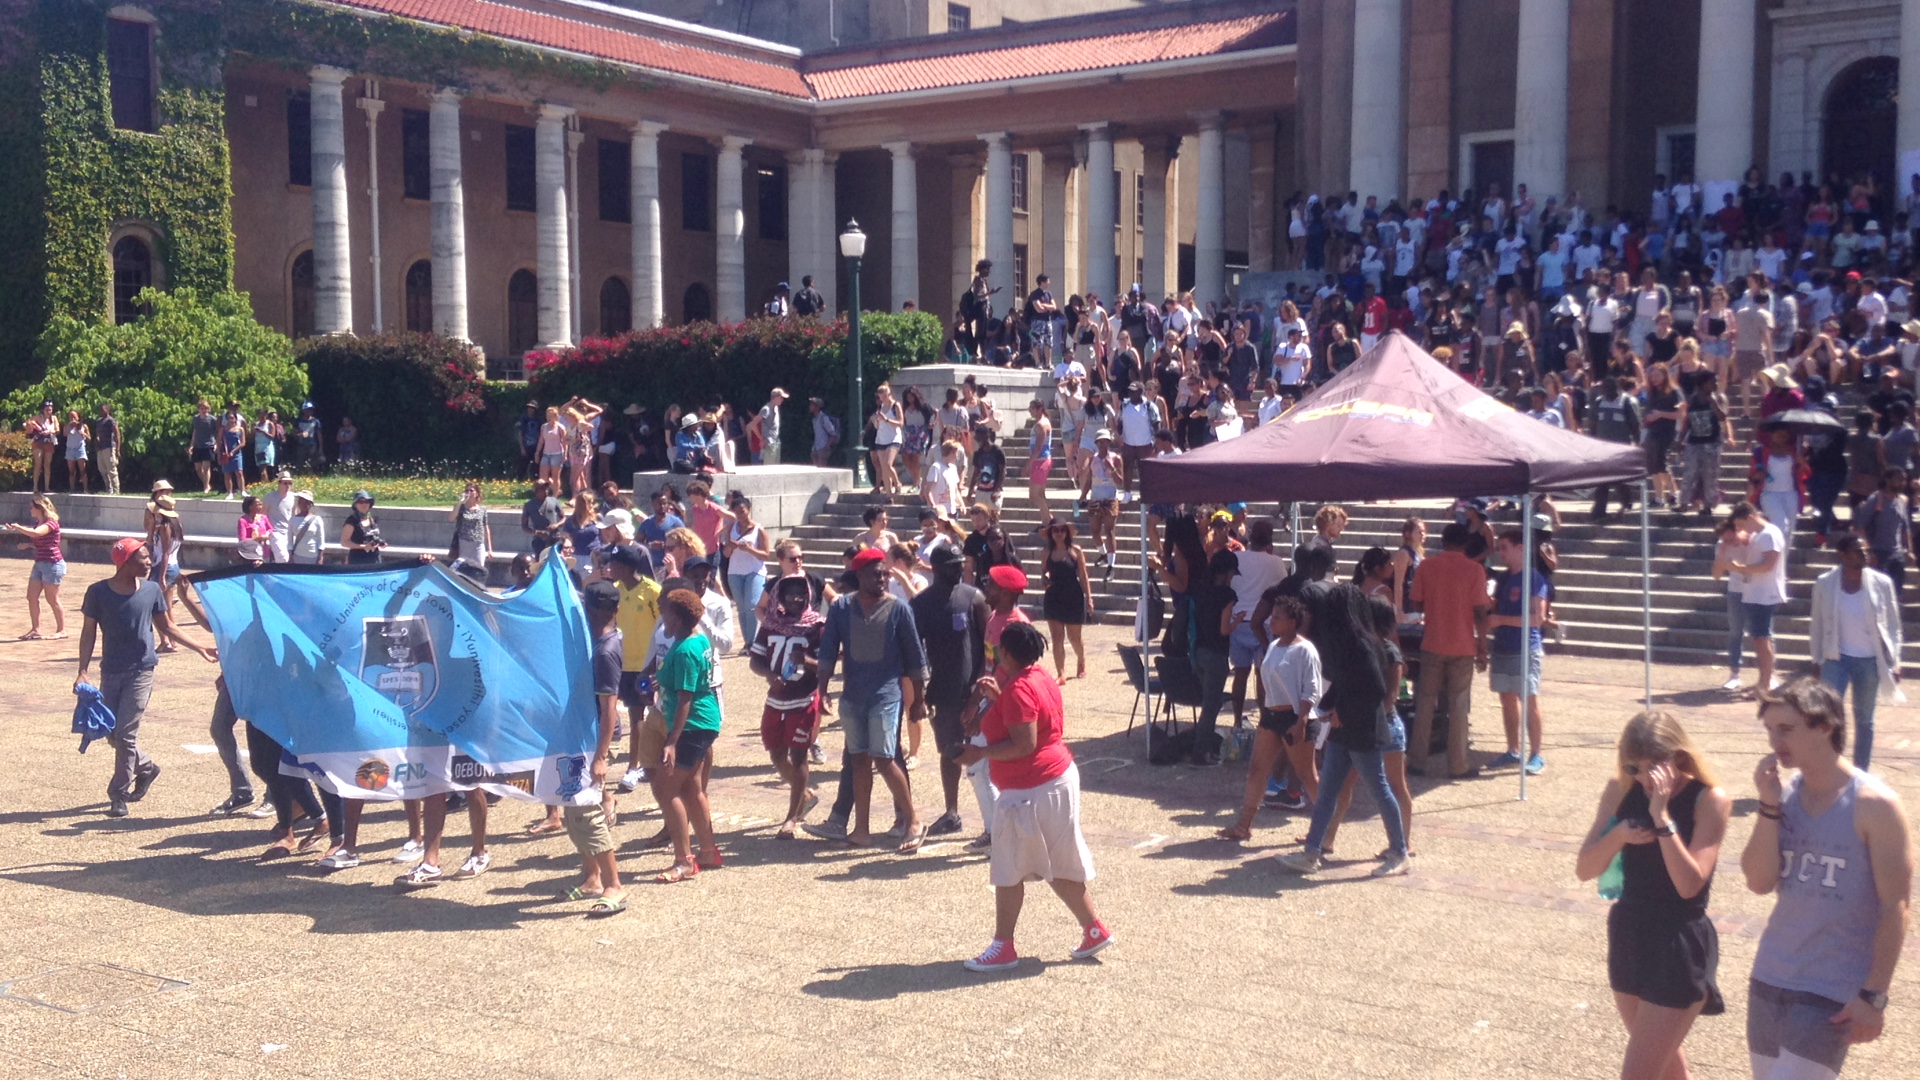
(1399, 424)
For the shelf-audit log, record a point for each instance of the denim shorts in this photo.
(870, 727)
(552, 461)
(1794, 1022)
(692, 748)
(1243, 648)
(1505, 677)
(1396, 735)
(1759, 618)
(48, 573)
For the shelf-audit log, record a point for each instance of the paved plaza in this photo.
(157, 947)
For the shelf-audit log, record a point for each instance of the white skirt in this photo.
(1036, 833)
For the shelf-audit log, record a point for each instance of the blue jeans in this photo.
(1736, 630)
(1863, 672)
(746, 589)
(1373, 773)
(1212, 668)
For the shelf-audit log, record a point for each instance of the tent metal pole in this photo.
(1526, 633)
(1646, 591)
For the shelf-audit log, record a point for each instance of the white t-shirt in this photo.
(943, 486)
(1066, 368)
(1259, 571)
(1271, 407)
(743, 561)
(1290, 363)
(1873, 306)
(1508, 250)
(1553, 269)
(1770, 261)
(1585, 257)
(1859, 630)
(1403, 256)
(1601, 315)
(1290, 675)
(1137, 423)
(306, 537)
(900, 591)
(1769, 587)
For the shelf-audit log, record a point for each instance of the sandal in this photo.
(605, 906)
(911, 844)
(678, 872)
(313, 837)
(700, 859)
(32, 635)
(579, 892)
(1234, 833)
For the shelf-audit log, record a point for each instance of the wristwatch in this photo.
(1664, 830)
(1875, 998)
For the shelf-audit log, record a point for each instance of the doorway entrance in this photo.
(1862, 112)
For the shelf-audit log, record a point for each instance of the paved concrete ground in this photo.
(157, 947)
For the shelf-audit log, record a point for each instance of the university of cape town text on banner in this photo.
(397, 682)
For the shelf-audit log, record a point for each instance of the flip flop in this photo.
(32, 635)
(911, 845)
(578, 893)
(605, 906)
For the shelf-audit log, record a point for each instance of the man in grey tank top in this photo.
(1831, 843)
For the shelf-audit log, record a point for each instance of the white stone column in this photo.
(1210, 212)
(574, 138)
(1379, 100)
(1157, 155)
(332, 266)
(1540, 99)
(729, 229)
(905, 256)
(1906, 141)
(1099, 277)
(966, 175)
(371, 104)
(1000, 210)
(826, 275)
(1723, 136)
(550, 214)
(1055, 166)
(649, 299)
(449, 220)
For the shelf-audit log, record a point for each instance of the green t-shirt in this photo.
(688, 669)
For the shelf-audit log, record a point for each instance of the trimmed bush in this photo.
(152, 370)
(413, 397)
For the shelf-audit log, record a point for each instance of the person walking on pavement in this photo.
(1855, 637)
(122, 614)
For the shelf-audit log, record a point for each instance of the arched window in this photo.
(616, 308)
(132, 271)
(1861, 116)
(300, 295)
(523, 314)
(420, 297)
(697, 304)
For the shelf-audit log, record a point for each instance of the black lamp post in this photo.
(853, 246)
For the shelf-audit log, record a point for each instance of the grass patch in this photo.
(388, 489)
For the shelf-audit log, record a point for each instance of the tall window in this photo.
(616, 181)
(696, 193)
(697, 304)
(616, 308)
(772, 189)
(1020, 182)
(1140, 200)
(300, 295)
(130, 73)
(1019, 273)
(299, 142)
(1117, 204)
(132, 271)
(520, 185)
(416, 155)
(959, 17)
(419, 287)
(523, 315)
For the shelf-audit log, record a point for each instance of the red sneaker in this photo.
(998, 957)
(1097, 937)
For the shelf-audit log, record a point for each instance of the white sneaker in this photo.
(340, 860)
(410, 852)
(474, 866)
(1304, 862)
(632, 780)
(1391, 866)
(1732, 684)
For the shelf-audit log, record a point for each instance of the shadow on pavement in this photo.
(189, 884)
(881, 982)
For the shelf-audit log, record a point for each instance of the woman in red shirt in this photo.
(1036, 819)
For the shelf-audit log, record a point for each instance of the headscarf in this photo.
(779, 622)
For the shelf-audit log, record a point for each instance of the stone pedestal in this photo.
(1010, 389)
(784, 496)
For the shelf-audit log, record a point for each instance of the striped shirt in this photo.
(46, 548)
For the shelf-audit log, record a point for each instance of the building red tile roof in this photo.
(636, 47)
(1092, 53)
(648, 47)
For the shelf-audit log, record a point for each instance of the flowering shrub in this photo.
(413, 396)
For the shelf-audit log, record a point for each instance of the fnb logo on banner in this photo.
(397, 659)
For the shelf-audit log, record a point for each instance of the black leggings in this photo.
(283, 792)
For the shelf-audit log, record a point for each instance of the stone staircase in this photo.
(1598, 585)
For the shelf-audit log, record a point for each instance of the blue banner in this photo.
(398, 682)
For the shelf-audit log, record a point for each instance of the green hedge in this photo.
(153, 369)
(414, 397)
(705, 363)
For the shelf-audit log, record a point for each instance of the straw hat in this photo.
(1519, 328)
(1779, 377)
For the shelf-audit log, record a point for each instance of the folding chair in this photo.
(1137, 677)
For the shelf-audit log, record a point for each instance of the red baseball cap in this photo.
(1010, 578)
(124, 548)
(868, 557)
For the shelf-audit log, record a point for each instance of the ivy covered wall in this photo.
(68, 177)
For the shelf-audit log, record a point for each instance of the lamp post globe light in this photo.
(853, 246)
